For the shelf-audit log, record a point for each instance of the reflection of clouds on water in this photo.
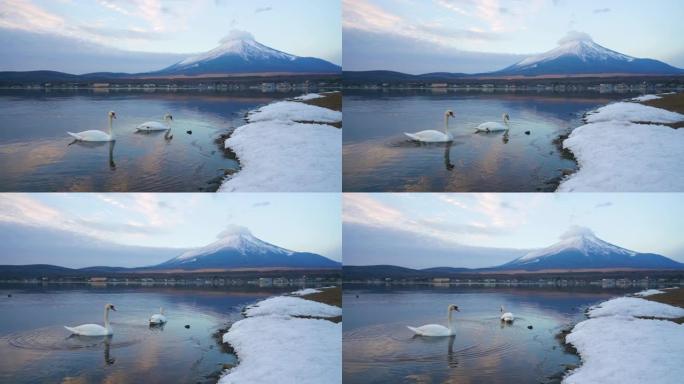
(27, 156)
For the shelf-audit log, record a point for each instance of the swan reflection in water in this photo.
(97, 144)
(447, 157)
(80, 341)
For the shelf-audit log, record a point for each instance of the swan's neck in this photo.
(161, 310)
(106, 319)
(110, 126)
(446, 130)
(449, 312)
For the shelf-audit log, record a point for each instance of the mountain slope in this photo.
(579, 248)
(577, 53)
(238, 248)
(240, 53)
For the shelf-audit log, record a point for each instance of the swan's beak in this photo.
(113, 309)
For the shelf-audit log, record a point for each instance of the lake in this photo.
(378, 348)
(377, 156)
(38, 155)
(35, 347)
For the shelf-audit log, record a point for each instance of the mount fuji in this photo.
(240, 53)
(578, 54)
(237, 247)
(580, 248)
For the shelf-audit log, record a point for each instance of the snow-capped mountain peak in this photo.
(578, 239)
(239, 52)
(241, 44)
(577, 53)
(575, 44)
(236, 238)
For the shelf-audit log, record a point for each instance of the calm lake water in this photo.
(36, 155)
(35, 347)
(378, 348)
(379, 157)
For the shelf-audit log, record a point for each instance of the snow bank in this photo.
(286, 157)
(305, 291)
(308, 96)
(633, 306)
(626, 350)
(648, 292)
(280, 153)
(616, 347)
(646, 98)
(625, 157)
(276, 349)
(625, 111)
(294, 111)
(292, 306)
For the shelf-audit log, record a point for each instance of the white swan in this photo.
(155, 125)
(158, 318)
(94, 329)
(95, 135)
(432, 136)
(492, 126)
(506, 316)
(436, 329)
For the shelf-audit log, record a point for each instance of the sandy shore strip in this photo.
(288, 146)
(637, 339)
(288, 339)
(628, 147)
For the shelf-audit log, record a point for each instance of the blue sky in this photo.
(419, 36)
(479, 230)
(300, 222)
(300, 27)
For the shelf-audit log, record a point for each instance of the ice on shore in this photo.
(279, 152)
(309, 96)
(294, 111)
(292, 306)
(281, 156)
(275, 347)
(648, 292)
(616, 347)
(634, 306)
(634, 112)
(305, 291)
(625, 157)
(646, 98)
(623, 350)
(282, 349)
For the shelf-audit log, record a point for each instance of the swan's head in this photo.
(168, 117)
(453, 307)
(112, 115)
(110, 306)
(505, 117)
(449, 113)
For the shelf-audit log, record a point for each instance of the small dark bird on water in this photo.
(187, 326)
(527, 132)
(9, 295)
(188, 132)
(529, 327)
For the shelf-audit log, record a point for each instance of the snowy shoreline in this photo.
(287, 146)
(624, 147)
(628, 340)
(286, 339)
